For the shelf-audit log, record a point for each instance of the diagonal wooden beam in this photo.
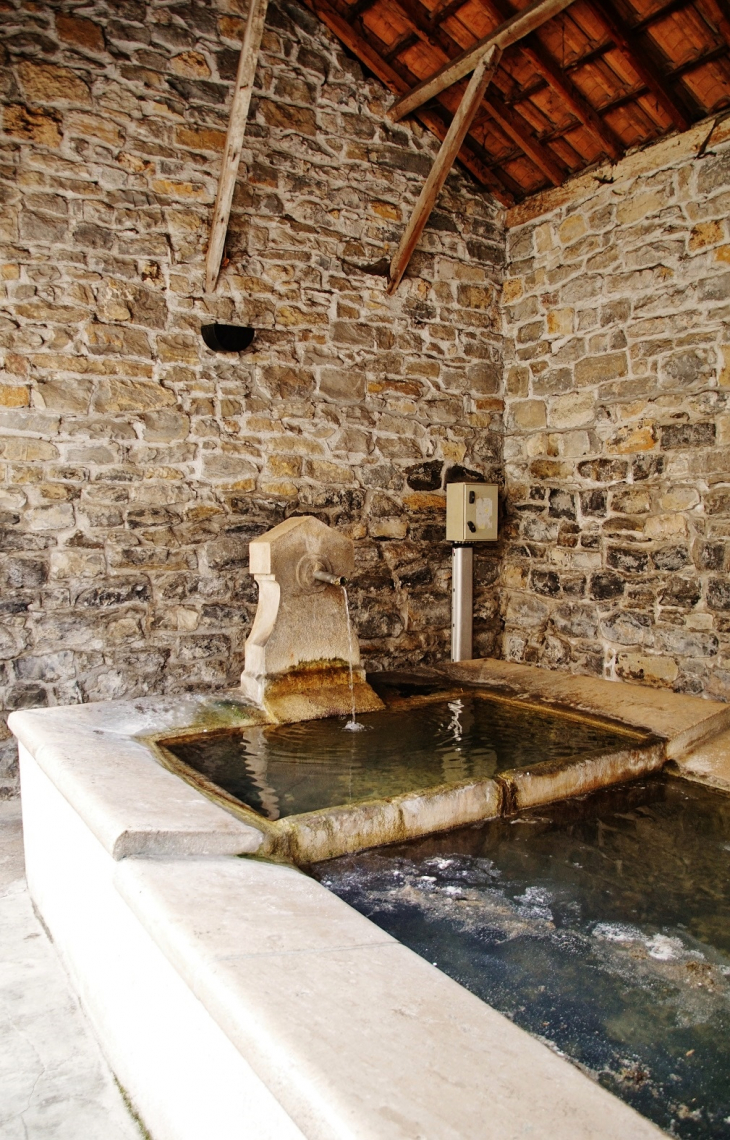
(450, 147)
(519, 129)
(234, 139)
(512, 30)
(631, 46)
(494, 177)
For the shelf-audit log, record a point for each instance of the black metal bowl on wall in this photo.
(227, 338)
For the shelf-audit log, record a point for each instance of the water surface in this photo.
(289, 769)
(602, 925)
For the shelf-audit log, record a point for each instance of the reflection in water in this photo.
(602, 925)
(290, 769)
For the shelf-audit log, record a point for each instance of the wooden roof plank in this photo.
(719, 15)
(635, 52)
(573, 98)
(407, 40)
(512, 30)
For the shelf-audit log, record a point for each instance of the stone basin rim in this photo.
(328, 832)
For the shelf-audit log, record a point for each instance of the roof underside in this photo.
(599, 79)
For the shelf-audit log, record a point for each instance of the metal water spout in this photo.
(300, 658)
(330, 579)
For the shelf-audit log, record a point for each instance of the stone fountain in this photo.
(302, 658)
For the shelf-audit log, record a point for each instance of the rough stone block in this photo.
(651, 669)
(46, 83)
(630, 439)
(80, 32)
(594, 369)
(32, 125)
(688, 435)
(627, 559)
(342, 384)
(528, 415)
(131, 396)
(571, 410)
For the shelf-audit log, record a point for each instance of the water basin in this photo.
(285, 770)
(599, 924)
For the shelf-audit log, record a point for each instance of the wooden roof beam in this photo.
(234, 139)
(480, 80)
(512, 30)
(635, 52)
(450, 8)
(407, 40)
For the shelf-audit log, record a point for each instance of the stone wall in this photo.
(617, 312)
(137, 464)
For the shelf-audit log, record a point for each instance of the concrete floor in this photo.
(54, 1081)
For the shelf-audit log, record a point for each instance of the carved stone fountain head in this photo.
(301, 653)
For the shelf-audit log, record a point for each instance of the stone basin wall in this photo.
(617, 450)
(136, 464)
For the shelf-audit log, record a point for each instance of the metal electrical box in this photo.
(471, 512)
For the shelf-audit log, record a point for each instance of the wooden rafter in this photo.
(512, 30)
(450, 147)
(517, 129)
(234, 139)
(535, 51)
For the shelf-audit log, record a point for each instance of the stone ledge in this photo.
(353, 1032)
(683, 721)
(131, 804)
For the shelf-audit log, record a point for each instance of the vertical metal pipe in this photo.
(462, 597)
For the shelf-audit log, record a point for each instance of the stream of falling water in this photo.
(352, 724)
